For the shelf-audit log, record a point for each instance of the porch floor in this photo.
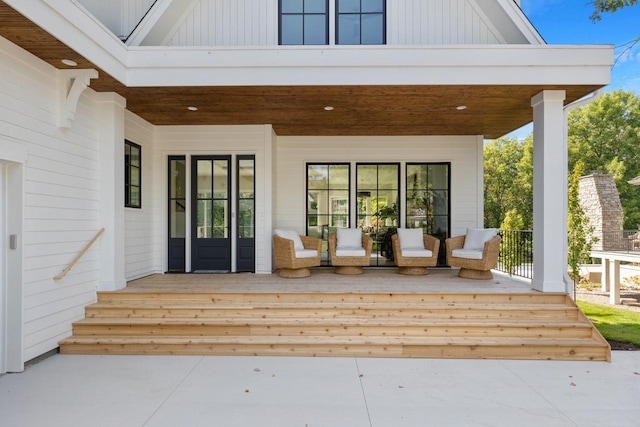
(325, 280)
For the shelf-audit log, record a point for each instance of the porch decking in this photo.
(377, 314)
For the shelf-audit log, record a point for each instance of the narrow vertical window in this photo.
(360, 22)
(132, 175)
(304, 22)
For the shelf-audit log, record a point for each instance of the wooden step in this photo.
(320, 327)
(441, 347)
(336, 297)
(511, 326)
(333, 310)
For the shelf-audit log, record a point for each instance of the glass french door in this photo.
(378, 207)
(210, 213)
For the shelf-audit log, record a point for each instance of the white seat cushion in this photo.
(348, 238)
(467, 253)
(477, 237)
(410, 238)
(417, 253)
(350, 252)
(306, 253)
(291, 235)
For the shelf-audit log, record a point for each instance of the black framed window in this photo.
(132, 175)
(428, 200)
(328, 200)
(304, 22)
(378, 206)
(360, 22)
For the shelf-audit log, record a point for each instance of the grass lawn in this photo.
(613, 323)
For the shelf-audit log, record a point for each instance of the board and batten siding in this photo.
(464, 153)
(438, 22)
(60, 197)
(123, 18)
(143, 227)
(229, 23)
(220, 140)
(409, 22)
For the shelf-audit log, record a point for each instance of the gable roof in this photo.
(375, 90)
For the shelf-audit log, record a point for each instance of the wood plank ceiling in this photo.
(491, 111)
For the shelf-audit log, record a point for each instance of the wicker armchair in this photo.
(294, 262)
(354, 252)
(416, 257)
(474, 263)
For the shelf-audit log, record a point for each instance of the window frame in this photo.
(303, 14)
(360, 14)
(129, 170)
(326, 229)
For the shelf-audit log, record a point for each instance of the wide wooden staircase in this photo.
(496, 326)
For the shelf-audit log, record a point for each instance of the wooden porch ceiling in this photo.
(491, 111)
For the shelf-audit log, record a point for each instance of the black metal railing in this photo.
(618, 241)
(516, 253)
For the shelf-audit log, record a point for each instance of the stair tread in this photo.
(319, 322)
(333, 340)
(322, 305)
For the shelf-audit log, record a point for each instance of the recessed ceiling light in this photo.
(70, 62)
(192, 108)
(461, 107)
(328, 108)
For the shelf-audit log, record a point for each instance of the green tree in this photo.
(508, 180)
(579, 231)
(609, 6)
(605, 135)
(510, 254)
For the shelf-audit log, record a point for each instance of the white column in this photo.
(606, 275)
(614, 282)
(111, 108)
(549, 191)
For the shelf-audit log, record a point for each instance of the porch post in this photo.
(549, 191)
(111, 108)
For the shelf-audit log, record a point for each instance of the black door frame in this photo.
(218, 253)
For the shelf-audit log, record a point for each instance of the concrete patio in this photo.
(154, 391)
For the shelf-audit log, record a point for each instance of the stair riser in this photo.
(433, 351)
(355, 330)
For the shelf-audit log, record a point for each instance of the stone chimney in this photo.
(600, 201)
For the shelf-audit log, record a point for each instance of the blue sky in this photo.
(567, 22)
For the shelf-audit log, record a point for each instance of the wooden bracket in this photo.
(71, 84)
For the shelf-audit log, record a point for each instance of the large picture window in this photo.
(304, 22)
(132, 175)
(327, 200)
(360, 22)
(428, 200)
(378, 206)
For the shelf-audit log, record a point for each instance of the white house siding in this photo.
(410, 22)
(229, 23)
(293, 153)
(222, 140)
(60, 197)
(418, 22)
(120, 20)
(143, 247)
